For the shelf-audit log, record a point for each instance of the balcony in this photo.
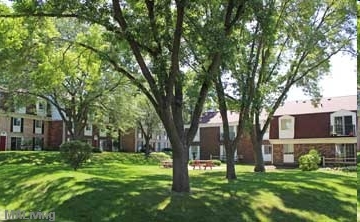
(343, 130)
(231, 135)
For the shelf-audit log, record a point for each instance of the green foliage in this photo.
(30, 158)
(75, 153)
(96, 150)
(310, 161)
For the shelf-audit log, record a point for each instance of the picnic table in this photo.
(167, 163)
(202, 163)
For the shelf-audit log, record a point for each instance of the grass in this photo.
(113, 189)
(358, 187)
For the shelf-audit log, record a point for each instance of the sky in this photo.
(340, 82)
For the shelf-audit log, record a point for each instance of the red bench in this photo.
(202, 163)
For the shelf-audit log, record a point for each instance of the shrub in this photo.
(310, 161)
(216, 162)
(96, 150)
(159, 156)
(166, 150)
(75, 153)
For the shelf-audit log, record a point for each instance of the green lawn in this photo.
(112, 189)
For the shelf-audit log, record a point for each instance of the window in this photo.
(288, 149)
(223, 153)
(194, 153)
(38, 143)
(38, 127)
(16, 125)
(40, 108)
(267, 149)
(16, 143)
(343, 125)
(139, 134)
(88, 130)
(103, 145)
(286, 124)
(286, 127)
(17, 122)
(140, 145)
(345, 151)
(232, 132)
(38, 123)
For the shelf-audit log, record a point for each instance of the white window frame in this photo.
(88, 130)
(340, 150)
(223, 153)
(195, 149)
(232, 132)
(16, 128)
(41, 108)
(342, 113)
(38, 129)
(289, 131)
(17, 138)
(288, 156)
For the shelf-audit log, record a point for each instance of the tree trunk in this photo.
(147, 146)
(180, 169)
(230, 163)
(257, 146)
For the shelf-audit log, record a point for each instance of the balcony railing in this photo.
(343, 130)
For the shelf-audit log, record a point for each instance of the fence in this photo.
(338, 160)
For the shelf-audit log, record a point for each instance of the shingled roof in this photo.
(326, 105)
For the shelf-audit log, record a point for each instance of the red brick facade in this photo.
(55, 136)
(326, 150)
(128, 141)
(210, 145)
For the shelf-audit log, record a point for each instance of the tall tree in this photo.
(153, 33)
(73, 79)
(289, 43)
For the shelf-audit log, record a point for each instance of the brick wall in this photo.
(245, 148)
(128, 141)
(209, 142)
(327, 150)
(55, 134)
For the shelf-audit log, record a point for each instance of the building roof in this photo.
(326, 105)
(215, 117)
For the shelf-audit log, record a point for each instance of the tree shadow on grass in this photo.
(106, 196)
(30, 157)
(303, 191)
